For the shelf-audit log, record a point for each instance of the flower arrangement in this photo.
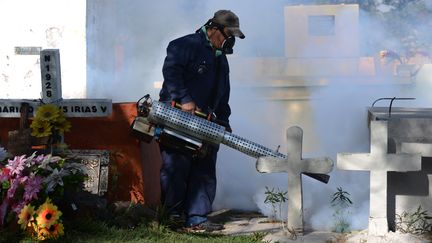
(43, 223)
(49, 121)
(27, 183)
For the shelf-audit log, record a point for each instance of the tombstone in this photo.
(295, 165)
(409, 131)
(379, 162)
(96, 162)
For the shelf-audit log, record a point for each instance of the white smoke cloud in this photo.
(341, 121)
(126, 48)
(127, 39)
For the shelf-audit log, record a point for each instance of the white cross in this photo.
(294, 165)
(378, 162)
(52, 93)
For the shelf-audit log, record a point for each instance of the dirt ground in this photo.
(237, 223)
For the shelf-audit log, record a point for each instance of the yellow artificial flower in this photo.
(56, 230)
(49, 119)
(40, 128)
(33, 229)
(48, 112)
(47, 214)
(62, 125)
(43, 234)
(26, 216)
(61, 113)
(53, 232)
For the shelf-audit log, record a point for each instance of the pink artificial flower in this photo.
(22, 180)
(38, 160)
(14, 185)
(16, 165)
(17, 207)
(32, 188)
(35, 160)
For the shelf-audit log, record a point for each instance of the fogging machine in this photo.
(192, 133)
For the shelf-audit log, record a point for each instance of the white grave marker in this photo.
(52, 93)
(295, 165)
(378, 162)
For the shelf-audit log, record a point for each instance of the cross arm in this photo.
(381, 162)
(425, 149)
(314, 165)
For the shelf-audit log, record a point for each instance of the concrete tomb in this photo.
(379, 162)
(106, 127)
(295, 165)
(409, 131)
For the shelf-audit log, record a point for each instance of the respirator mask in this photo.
(228, 43)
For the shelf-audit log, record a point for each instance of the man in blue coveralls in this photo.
(196, 75)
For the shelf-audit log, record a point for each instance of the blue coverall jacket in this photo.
(192, 72)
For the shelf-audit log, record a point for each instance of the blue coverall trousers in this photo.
(188, 183)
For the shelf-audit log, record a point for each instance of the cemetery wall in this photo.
(29, 26)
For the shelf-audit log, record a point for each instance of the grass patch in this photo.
(125, 222)
(93, 230)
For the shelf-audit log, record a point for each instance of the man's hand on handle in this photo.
(192, 108)
(189, 107)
